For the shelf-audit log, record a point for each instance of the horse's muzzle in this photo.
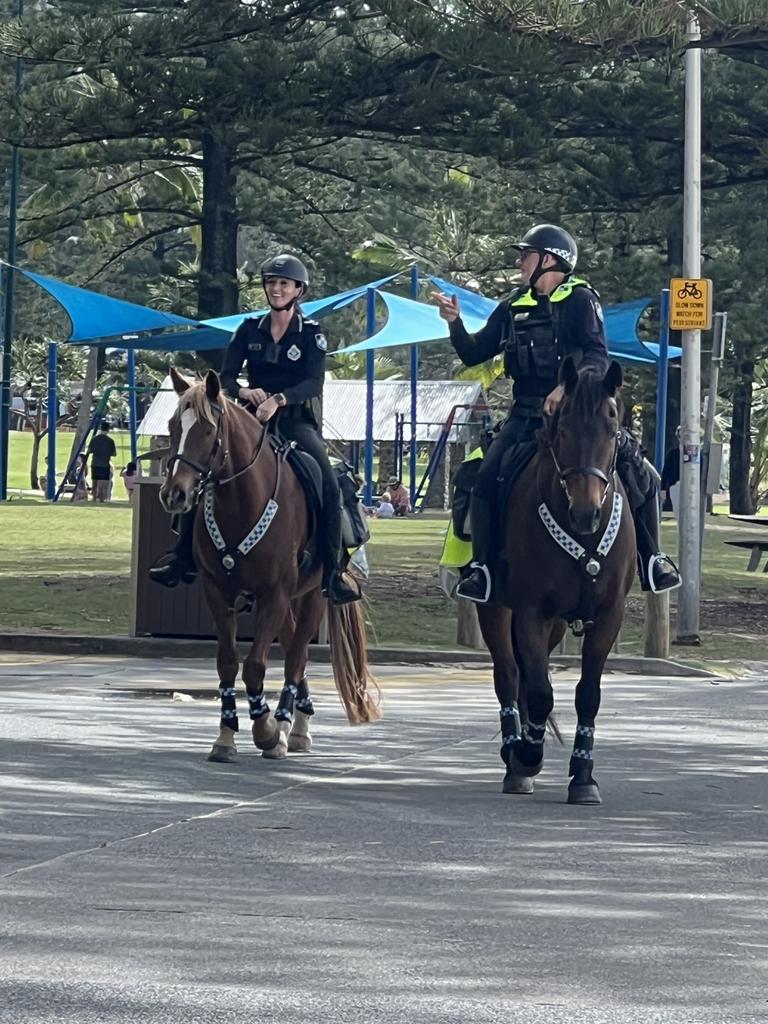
(175, 498)
(584, 520)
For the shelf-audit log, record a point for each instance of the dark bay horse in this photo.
(568, 556)
(250, 542)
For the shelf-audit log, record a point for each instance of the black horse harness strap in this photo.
(591, 562)
(229, 557)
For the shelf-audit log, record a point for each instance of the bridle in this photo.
(609, 478)
(206, 472)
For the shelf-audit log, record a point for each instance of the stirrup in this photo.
(658, 559)
(173, 572)
(485, 572)
(338, 591)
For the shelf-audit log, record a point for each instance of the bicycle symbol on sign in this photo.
(690, 290)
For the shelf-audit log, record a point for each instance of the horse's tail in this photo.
(554, 728)
(357, 687)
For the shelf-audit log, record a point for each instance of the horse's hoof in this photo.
(279, 750)
(299, 744)
(223, 753)
(584, 793)
(517, 784)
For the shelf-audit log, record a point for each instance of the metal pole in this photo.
(370, 367)
(53, 415)
(718, 351)
(7, 325)
(662, 380)
(414, 394)
(132, 418)
(690, 440)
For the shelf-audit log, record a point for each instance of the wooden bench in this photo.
(757, 546)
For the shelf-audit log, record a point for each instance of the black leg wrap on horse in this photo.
(287, 700)
(257, 706)
(303, 700)
(510, 730)
(228, 707)
(528, 750)
(581, 759)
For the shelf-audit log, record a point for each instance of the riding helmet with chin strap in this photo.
(549, 238)
(289, 267)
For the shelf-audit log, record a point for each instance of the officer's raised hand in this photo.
(448, 306)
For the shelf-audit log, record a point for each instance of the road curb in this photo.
(167, 647)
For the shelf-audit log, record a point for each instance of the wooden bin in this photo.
(156, 610)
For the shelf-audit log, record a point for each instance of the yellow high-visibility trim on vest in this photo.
(457, 552)
(561, 292)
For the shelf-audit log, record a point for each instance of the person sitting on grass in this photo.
(399, 496)
(386, 509)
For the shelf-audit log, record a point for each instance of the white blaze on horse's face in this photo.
(188, 420)
(178, 492)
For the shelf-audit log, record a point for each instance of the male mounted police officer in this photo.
(550, 316)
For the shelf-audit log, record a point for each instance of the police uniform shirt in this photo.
(579, 325)
(293, 366)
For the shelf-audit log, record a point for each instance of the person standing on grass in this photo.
(101, 451)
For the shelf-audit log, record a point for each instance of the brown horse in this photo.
(568, 557)
(250, 542)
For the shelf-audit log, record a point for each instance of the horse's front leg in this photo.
(531, 643)
(598, 641)
(496, 627)
(296, 706)
(269, 615)
(224, 618)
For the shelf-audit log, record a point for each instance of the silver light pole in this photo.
(690, 440)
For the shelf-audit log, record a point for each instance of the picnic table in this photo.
(756, 545)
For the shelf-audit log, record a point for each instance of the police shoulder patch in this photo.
(598, 310)
(320, 341)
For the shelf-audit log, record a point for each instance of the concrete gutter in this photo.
(164, 647)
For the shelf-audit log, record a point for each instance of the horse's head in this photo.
(584, 441)
(196, 433)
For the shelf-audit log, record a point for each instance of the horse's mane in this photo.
(195, 398)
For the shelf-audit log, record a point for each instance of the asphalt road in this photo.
(384, 877)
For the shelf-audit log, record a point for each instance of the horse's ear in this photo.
(569, 375)
(614, 378)
(180, 385)
(212, 386)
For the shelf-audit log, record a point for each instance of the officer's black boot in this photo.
(657, 571)
(478, 585)
(181, 568)
(335, 587)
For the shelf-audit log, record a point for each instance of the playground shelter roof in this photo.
(101, 319)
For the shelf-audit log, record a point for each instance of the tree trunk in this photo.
(84, 412)
(741, 437)
(217, 291)
(34, 472)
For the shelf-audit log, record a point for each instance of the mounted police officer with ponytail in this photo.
(551, 315)
(284, 357)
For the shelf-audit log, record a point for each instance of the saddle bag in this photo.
(354, 525)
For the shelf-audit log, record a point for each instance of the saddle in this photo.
(515, 459)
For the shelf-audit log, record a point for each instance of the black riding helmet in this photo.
(554, 240)
(286, 266)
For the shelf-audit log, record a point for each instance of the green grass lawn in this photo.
(20, 450)
(65, 568)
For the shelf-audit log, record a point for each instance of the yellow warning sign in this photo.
(690, 304)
